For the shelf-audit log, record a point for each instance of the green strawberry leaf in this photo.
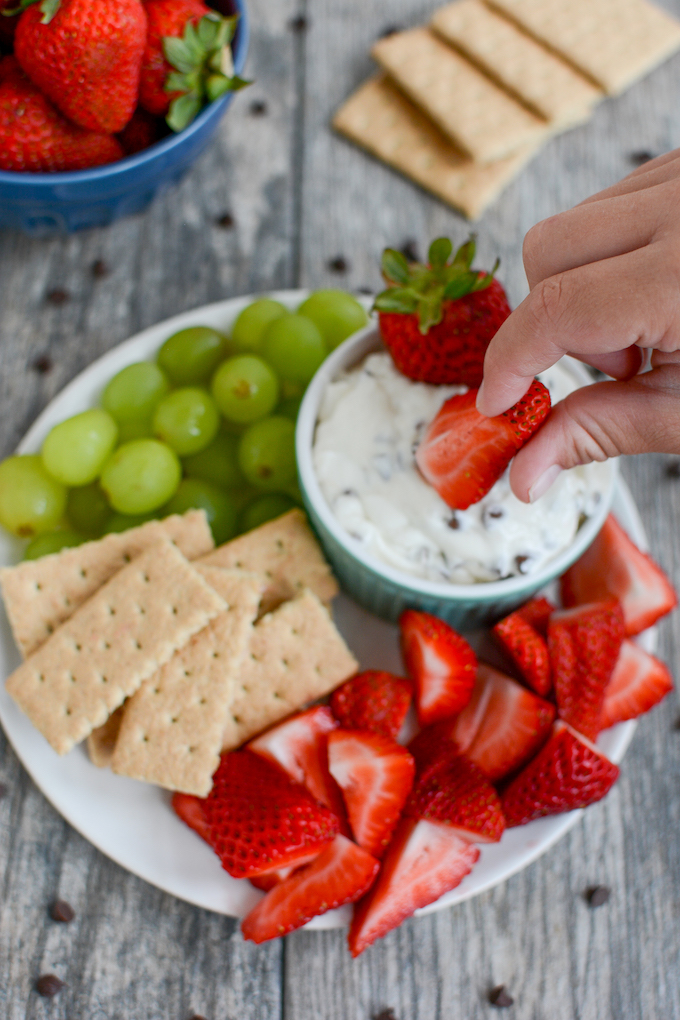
(217, 84)
(183, 110)
(178, 54)
(464, 256)
(430, 310)
(208, 29)
(462, 283)
(396, 299)
(439, 252)
(484, 279)
(395, 267)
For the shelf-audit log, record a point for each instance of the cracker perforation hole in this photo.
(284, 663)
(236, 719)
(38, 587)
(145, 578)
(106, 645)
(253, 657)
(112, 610)
(244, 688)
(83, 573)
(279, 544)
(142, 610)
(145, 739)
(77, 647)
(173, 718)
(67, 712)
(215, 655)
(41, 678)
(203, 701)
(72, 678)
(268, 574)
(239, 564)
(49, 628)
(276, 695)
(157, 690)
(67, 601)
(187, 672)
(174, 610)
(104, 679)
(126, 557)
(191, 750)
(138, 646)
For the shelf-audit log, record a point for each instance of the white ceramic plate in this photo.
(132, 822)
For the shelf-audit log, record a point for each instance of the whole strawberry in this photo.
(142, 131)
(437, 320)
(86, 56)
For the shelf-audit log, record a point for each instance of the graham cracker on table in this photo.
(613, 42)
(381, 120)
(102, 741)
(133, 625)
(41, 594)
(286, 552)
(544, 82)
(172, 727)
(296, 655)
(479, 117)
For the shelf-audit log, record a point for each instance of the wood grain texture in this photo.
(300, 197)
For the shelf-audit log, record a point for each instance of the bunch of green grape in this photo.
(210, 424)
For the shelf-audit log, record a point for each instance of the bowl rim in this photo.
(348, 354)
(138, 159)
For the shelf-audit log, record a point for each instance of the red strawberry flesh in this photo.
(373, 700)
(528, 651)
(190, 810)
(639, 682)
(441, 663)
(536, 612)
(454, 791)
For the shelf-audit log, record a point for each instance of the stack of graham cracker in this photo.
(162, 651)
(461, 105)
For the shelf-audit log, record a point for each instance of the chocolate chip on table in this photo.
(598, 895)
(500, 997)
(197, 1016)
(258, 108)
(390, 30)
(299, 24)
(48, 985)
(3, 790)
(384, 1014)
(100, 269)
(62, 911)
(673, 469)
(226, 221)
(57, 296)
(338, 264)
(42, 364)
(641, 157)
(409, 250)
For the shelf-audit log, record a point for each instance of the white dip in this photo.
(370, 422)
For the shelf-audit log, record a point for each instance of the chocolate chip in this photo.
(598, 895)
(454, 523)
(197, 1016)
(100, 269)
(384, 1014)
(3, 790)
(641, 157)
(409, 250)
(499, 997)
(62, 911)
(676, 725)
(299, 24)
(42, 364)
(365, 290)
(58, 296)
(390, 30)
(520, 563)
(673, 469)
(258, 108)
(338, 264)
(226, 220)
(48, 985)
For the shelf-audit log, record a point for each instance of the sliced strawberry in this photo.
(536, 612)
(190, 810)
(584, 644)
(300, 746)
(503, 725)
(260, 819)
(268, 879)
(454, 791)
(639, 682)
(373, 700)
(527, 649)
(614, 567)
(424, 860)
(441, 663)
(375, 775)
(568, 772)
(432, 743)
(340, 874)
(463, 454)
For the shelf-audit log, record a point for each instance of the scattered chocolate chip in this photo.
(338, 264)
(598, 895)
(499, 997)
(299, 24)
(258, 108)
(58, 296)
(197, 1016)
(677, 724)
(100, 269)
(384, 1014)
(409, 250)
(365, 290)
(226, 220)
(62, 911)
(42, 364)
(390, 30)
(638, 158)
(48, 985)
(3, 790)
(673, 469)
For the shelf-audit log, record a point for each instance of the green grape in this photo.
(141, 476)
(135, 428)
(263, 509)
(192, 355)
(294, 347)
(245, 388)
(31, 501)
(87, 509)
(76, 450)
(123, 522)
(217, 462)
(187, 420)
(289, 407)
(266, 453)
(194, 494)
(247, 331)
(132, 394)
(336, 313)
(52, 542)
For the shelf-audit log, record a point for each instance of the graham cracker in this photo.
(613, 42)
(41, 594)
(111, 644)
(480, 118)
(101, 742)
(535, 76)
(286, 552)
(172, 728)
(296, 655)
(380, 119)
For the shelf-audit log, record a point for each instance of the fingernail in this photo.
(543, 483)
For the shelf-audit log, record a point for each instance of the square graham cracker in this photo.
(172, 727)
(479, 117)
(102, 741)
(380, 119)
(541, 80)
(133, 625)
(296, 655)
(613, 42)
(286, 552)
(41, 594)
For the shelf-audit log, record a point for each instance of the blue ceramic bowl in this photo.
(382, 589)
(54, 203)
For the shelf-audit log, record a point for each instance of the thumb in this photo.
(604, 420)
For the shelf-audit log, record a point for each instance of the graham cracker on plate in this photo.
(544, 82)
(172, 727)
(102, 741)
(296, 655)
(613, 42)
(286, 552)
(41, 594)
(112, 643)
(380, 119)
(479, 117)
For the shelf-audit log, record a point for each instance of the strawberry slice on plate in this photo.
(266, 880)
(424, 860)
(638, 683)
(584, 644)
(340, 874)
(190, 809)
(373, 700)
(614, 567)
(375, 775)
(463, 454)
(441, 663)
(568, 772)
(527, 649)
(454, 791)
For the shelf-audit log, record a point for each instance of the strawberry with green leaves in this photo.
(437, 319)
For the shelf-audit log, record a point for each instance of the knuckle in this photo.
(585, 436)
(537, 241)
(547, 303)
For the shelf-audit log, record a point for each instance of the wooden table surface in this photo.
(299, 198)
